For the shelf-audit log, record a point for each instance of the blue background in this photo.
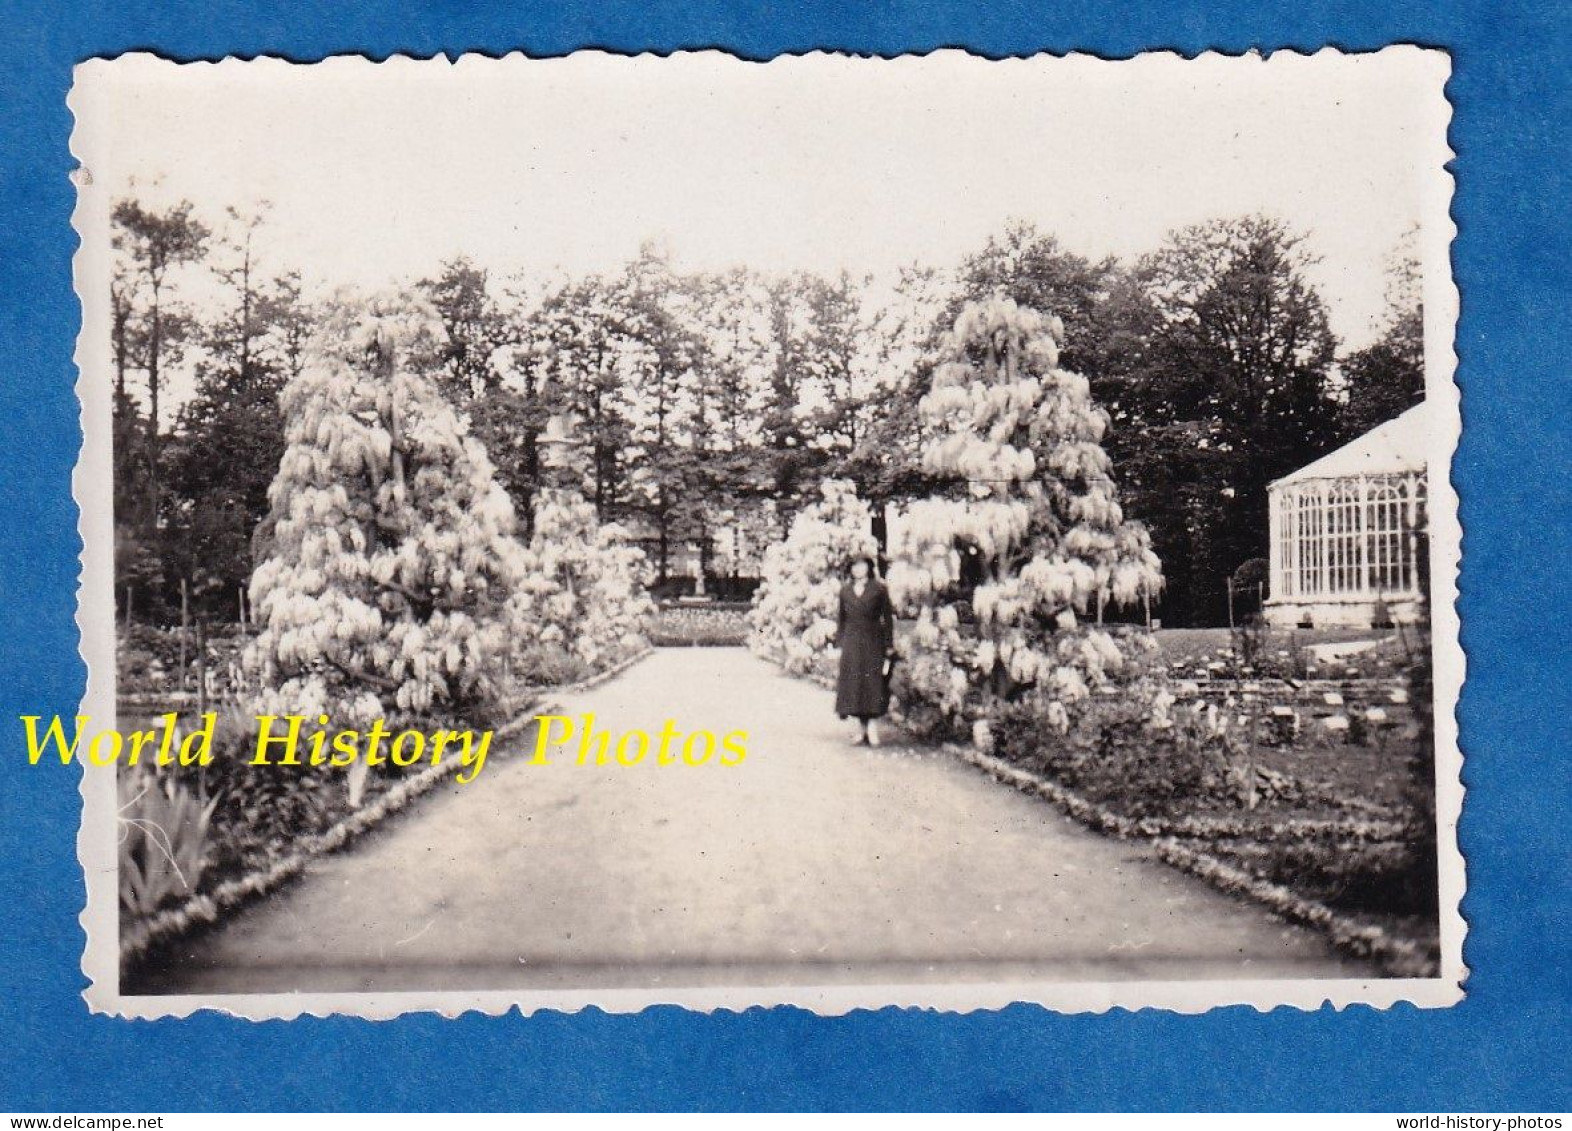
(1504, 1048)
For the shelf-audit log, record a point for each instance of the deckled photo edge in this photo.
(96, 838)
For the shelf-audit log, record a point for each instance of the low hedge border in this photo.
(1371, 831)
(1398, 957)
(172, 923)
(1401, 958)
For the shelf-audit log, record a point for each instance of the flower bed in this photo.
(1399, 954)
(717, 624)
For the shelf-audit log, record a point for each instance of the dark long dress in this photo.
(866, 635)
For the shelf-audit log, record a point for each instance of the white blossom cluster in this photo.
(1037, 511)
(583, 585)
(391, 548)
(796, 607)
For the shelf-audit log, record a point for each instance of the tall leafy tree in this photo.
(1243, 340)
(1234, 393)
(1108, 316)
(906, 327)
(839, 366)
(577, 348)
(477, 329)
(491, 370)
(229, 436)
(1033, 268)
(152, 245)
(661, 359)
(794, 461)
(138, 565)
(731, 313)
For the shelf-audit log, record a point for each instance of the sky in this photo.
(375, 174)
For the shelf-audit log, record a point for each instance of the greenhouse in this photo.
(1348, 531)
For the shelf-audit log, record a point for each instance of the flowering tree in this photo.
(1032, 524)
(795, 610)
(390, 549)
(583, 592)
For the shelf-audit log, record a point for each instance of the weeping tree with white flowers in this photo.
(389, 549)
(1029, 537)
(795, 610)
(583, 598)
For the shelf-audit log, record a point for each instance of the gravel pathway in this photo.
(812, 862)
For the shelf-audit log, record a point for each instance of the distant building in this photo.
(1346, 530)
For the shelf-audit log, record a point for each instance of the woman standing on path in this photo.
(866, 636)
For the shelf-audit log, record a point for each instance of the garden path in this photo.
(812, 862)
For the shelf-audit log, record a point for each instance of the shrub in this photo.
(930, 697)
(548, 664)
(581, 593)
(1252, 643)
(260, 810)
(1116, 752)
(796, 606)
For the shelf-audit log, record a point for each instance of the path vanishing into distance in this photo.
(813, 862)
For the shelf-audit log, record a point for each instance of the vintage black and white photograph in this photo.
(844, 532)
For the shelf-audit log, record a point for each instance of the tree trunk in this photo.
(154, 347)
(185, 627)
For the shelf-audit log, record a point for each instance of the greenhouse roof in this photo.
(1396, 446)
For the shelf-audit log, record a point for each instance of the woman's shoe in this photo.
(872, 738)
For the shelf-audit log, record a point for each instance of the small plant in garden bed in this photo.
(541, 664)
(165, 847)
(257, 815)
